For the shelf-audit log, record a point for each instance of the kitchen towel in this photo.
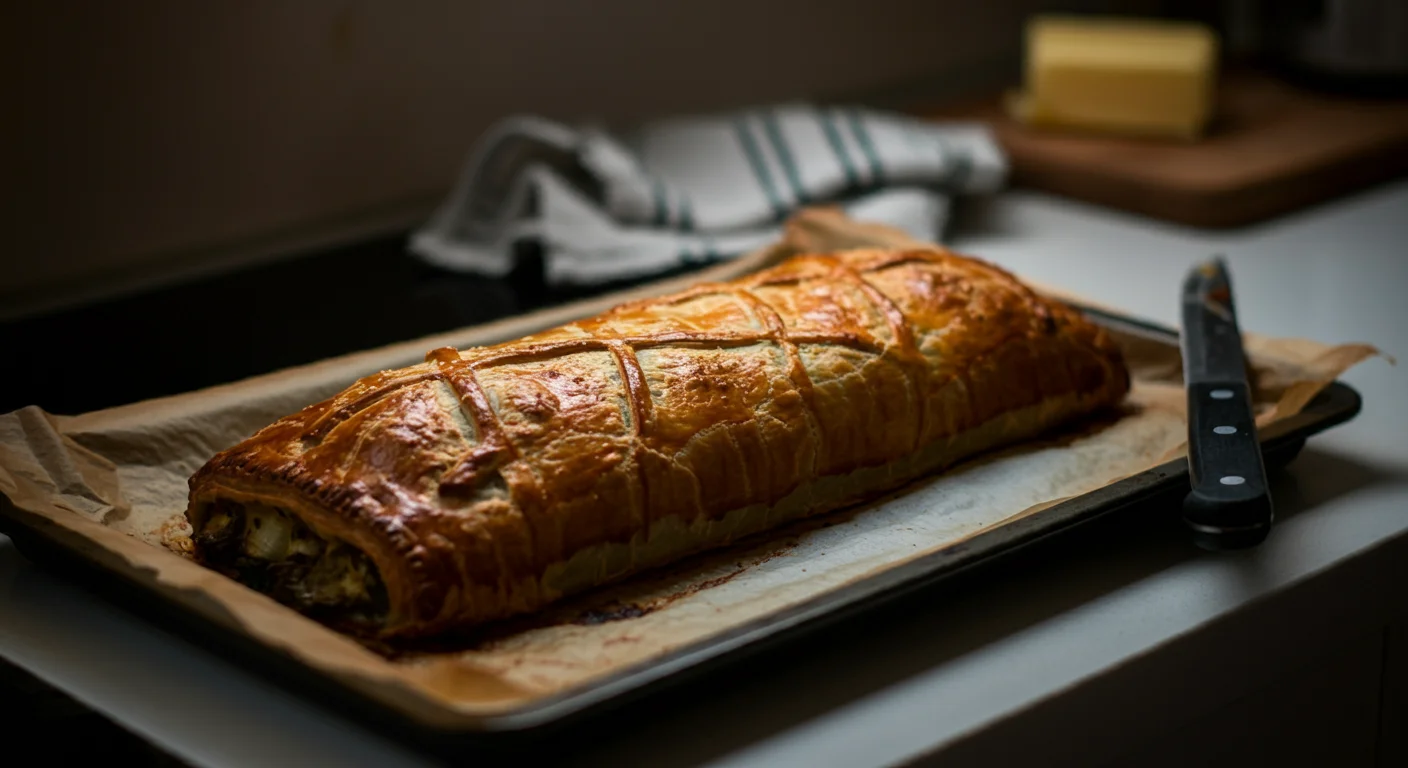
(679, 191)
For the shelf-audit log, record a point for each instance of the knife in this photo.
(1229, 506)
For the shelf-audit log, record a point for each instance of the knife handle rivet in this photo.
(1221, 394)
(1232, 480)
(1225, 430)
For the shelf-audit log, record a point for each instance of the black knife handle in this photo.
(1229, 506)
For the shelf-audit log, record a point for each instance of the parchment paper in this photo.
(111, 485)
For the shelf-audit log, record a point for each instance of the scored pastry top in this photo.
(492, 463)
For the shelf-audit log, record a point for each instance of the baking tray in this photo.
(1335, 404)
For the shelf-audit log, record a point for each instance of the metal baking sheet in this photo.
(1335, 404)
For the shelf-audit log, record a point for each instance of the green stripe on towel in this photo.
(833, 137)
(957, 165)
(662, 205)
(784, 155)
(877, 173)
(760, 168)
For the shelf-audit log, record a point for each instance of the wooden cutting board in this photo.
(1273, 148)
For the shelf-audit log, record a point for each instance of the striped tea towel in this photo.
(685, 190)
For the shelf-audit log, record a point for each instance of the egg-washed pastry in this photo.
(492, 481)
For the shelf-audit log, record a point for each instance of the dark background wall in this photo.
(152, 137)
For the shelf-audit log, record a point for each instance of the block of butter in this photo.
(1117, 75)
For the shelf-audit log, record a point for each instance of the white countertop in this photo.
(1076, 657)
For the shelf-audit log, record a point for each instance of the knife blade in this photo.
(1229, 504)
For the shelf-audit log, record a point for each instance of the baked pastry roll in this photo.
(489, 482)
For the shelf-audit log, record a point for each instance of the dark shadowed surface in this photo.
(228, 327)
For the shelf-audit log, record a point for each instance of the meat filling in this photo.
(273, 552)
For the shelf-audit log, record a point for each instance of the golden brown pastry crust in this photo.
(488, 482)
